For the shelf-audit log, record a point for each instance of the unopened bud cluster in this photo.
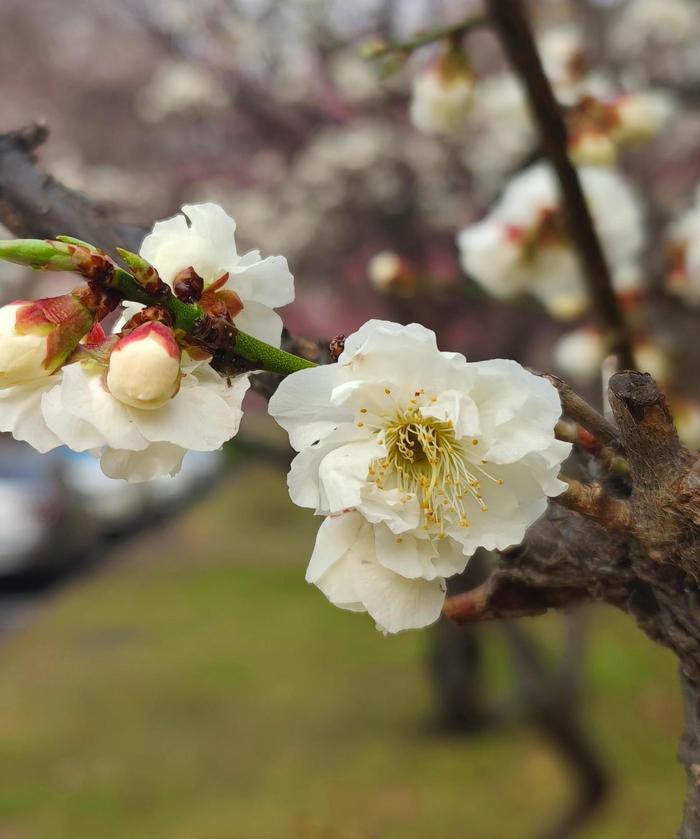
(144, 393)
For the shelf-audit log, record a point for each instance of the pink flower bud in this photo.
(36, 337)
(144, 367)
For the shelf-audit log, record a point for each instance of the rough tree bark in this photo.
(650, 569)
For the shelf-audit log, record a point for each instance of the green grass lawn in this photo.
(199, 689)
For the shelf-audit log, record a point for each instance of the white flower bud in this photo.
(22, 356)
(144, 367)
(442, 96)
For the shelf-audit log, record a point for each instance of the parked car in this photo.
(43, 527)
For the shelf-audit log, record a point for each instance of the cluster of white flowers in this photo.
(599, 127)
(136, 400)
(415, 458)
(522, 245)
(601, 118)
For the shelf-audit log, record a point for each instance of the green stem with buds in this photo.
(422, 39)
(47, 256)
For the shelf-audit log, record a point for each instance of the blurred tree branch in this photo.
(510, 22)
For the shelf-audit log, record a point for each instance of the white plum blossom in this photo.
(599, 126)
(415, 458)
(502, 129)
(142, 443)
(202, 236)
(522, 245)
(442, 95)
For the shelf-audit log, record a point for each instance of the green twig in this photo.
(190, 318)
(381, 49)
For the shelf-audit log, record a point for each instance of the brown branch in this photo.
(511, 24)
(504, 596)
(592, 500)
(577, 409)
(665, 499)
(33, 204)
(609, 458)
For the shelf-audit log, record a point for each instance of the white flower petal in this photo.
(267, 281)
(158, 459)
(77, 434)
(207, 245)
(84, 396)
(261, 322)
(396, 603)
(20, 413)
(211, 222)
(396, 509)
(197, 418)
(302, 405)
(335, 537)
(375, 335)
(342, 473)
(303, 479)
(459, 409)
(405, 555)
